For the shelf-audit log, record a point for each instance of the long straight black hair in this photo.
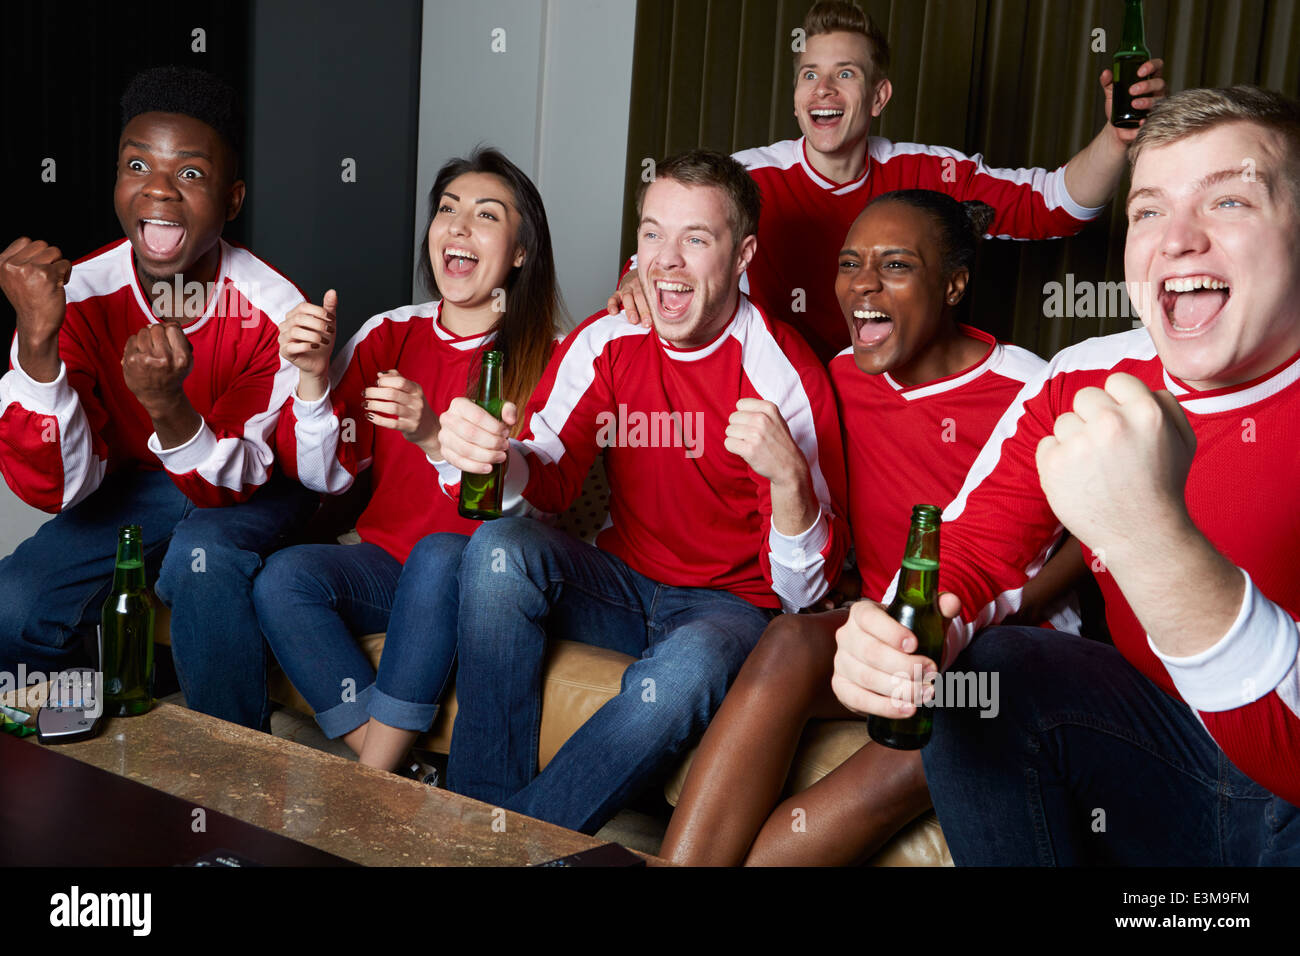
(532, 296)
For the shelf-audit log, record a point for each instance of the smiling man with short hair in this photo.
(1171, 453)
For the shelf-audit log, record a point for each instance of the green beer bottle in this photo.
(126, 632)
(1132, 53)
(916, 607)
(480, 495)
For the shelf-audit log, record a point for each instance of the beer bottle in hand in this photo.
(126, 632)
(480, 495)
(916, 607)
(1132, 53)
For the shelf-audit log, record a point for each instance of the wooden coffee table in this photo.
(358, 813)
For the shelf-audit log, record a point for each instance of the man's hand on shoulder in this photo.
(32, 274)
(630, 298)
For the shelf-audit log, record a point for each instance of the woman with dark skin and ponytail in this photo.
(487, 257)
(919, 394)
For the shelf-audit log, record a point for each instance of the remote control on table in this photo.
(75, 709)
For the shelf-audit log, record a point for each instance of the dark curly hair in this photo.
(190, 92)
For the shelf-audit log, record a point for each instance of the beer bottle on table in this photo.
(126, 632)
(480, 495)
(916, 607)
(1132, 53)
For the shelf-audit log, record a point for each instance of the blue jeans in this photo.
(314, 600)
(52, 586)
(1088, 762)
(521, 581)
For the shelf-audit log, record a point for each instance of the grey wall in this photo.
(334, 80)
(555, 101)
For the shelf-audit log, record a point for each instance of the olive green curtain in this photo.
(1015, 80)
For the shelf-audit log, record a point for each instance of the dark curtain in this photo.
(1015, 80)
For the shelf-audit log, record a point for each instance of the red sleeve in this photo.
(802, 568)
(230, 456)
(558, 441)
(1029, 203)
(51, 451)
(325, 444)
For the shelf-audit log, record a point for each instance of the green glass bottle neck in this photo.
(128, 572)
(918, 581)
(489, 380)
(1134, 37)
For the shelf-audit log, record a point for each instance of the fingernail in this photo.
(371, 417)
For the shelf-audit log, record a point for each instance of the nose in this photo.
(671, 257)
(1184, 234)
(867, 279)
(160, 185)
(460, 223)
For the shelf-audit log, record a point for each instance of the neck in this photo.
(468, 322)
(203, 271)
(710, 329)
(843, 166)
(950, 352)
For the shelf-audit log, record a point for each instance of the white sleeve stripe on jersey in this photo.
(264, 288)
(102, 275)
(782, 155)
(82, 469)
(1252, 659)
(1050, 185)
(573, 378)
(776, 380)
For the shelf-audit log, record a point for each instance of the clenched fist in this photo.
(32, 274)
(1118, 462)
(155, 362)
(399, 403)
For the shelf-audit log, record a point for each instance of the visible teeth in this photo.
(161, 222)
(462, 254)
(870, 314)
(1193, 283)
(672, 286)
(827, 112)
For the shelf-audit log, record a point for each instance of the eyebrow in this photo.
(897, 251)
(692, 227)
(1206, 182)
(804, 66)
(478, 202)
(183, 153)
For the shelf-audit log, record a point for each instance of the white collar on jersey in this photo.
(743, 308)
(838, 189)
(1233, 397)
(462, 343)
(213, 291)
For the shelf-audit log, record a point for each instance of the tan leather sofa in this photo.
(579, 679)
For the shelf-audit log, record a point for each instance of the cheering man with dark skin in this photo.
(145, 386)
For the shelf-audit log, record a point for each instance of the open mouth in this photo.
(458, 262)
(1192, 303)
(161, 237)
(871, 327)
(825, 117)
(674, 298)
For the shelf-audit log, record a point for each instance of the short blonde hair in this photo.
(838, 16)
(1198, 110)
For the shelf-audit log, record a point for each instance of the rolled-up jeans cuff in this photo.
(345, 717)
(401, 714)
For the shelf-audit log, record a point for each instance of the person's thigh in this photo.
(52, 585)
(1078, 759)
(420, 645)
(518, 567)
(313, 601)
(206, 579)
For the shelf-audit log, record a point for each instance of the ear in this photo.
(235, 199)
(745, 254)
(521, 254)
(956, 287)
(884, 90)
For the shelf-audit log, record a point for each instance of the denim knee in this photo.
(195, 562)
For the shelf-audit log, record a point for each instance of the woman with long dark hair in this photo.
(486, 256)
